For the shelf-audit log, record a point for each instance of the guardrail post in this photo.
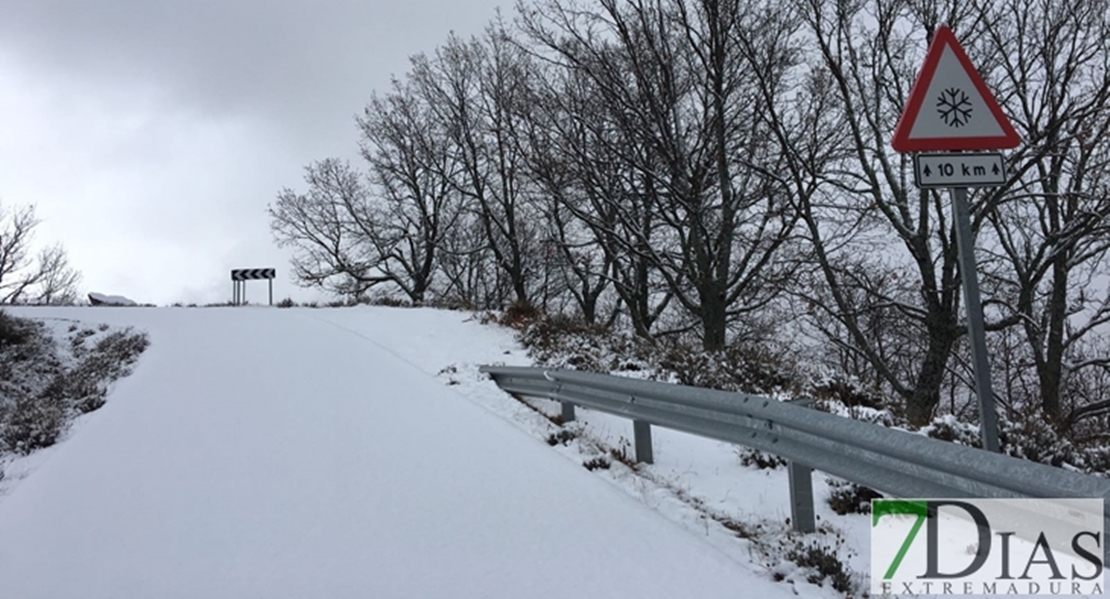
(801, 497)
(642, 432)
(567, 414)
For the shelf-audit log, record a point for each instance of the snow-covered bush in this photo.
(823, 563)
(519, 315)
(560, 341)
(1029, 436)
(565, 342)
(849, 498)
(735, 368)
(848, 392)
(759, 459)
(13, 331)
(34, 422)
(43, 384)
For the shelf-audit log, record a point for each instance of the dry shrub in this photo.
(519, 315)
(41, 396)
(850, 498)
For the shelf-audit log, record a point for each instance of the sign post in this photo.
(962, 116)
(239, 278)
(976, 326)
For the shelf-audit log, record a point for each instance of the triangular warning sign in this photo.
(950, 107)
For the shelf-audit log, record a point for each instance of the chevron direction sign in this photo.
(248, 274)
(239, 278)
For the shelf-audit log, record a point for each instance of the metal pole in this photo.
(271, 292)
(802, 515)
(976, 328)
(641, 433)
(567, 412)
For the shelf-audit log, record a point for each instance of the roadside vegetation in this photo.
(704, 190)
(53, 372)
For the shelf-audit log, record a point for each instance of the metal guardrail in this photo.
(893, 462)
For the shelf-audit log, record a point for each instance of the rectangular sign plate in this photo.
(959, 170)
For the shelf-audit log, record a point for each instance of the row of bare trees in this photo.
(722, 169)
(26, 277)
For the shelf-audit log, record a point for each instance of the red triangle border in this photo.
(902, 141)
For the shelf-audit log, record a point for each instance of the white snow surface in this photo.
(266, 453)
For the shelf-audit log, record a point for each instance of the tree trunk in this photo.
(589, 307)
(922, 401)
(1051, 371)
(714, 318)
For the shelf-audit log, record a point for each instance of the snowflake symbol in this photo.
(954, 107)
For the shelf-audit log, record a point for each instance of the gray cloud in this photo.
(234, 55)
(152, 134)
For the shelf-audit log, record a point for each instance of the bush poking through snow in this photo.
(823, 563)
(560, 341)
(947, 428)
(1029, 437)
(519, 315)
(623, 453)
(734, 368)
(1034, 439)
(111, 359)
(387, 301)
(39, 395)
(13, 331)
(849, 498)
(848, 393)
(753, 458)
(34, 422)
(596, 464)
(562, 437)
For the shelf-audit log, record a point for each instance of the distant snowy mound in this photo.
(99, 299)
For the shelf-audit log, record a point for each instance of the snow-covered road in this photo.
(263, 453)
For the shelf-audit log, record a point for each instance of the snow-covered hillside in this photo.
(358, 453)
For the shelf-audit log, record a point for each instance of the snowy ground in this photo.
(66, 347)
(696, 482)
(341, 453)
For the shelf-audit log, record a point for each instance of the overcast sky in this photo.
(151, 134)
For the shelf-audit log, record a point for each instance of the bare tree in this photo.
(479, 90)
(57, 281)
(885, 252)
(671, 76)
(334, 230)
(579, 176)
(1051, 233)
(413, 167)
(45, 278)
